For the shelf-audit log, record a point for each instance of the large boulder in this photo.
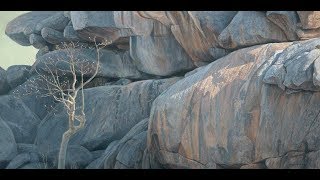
(107, 25)
(70, 34)
(125, 153)
(32, 94)
(17, 75)
(159, 55)
(19, 118)
(129, 151)
(8, 144)
(131, 154)
(52, 36)
(198, 31)
(227, 117)
(22, 26)
(309, 26)
(287, 21)
(4, 86)
(250, 28)
(37, 41)
(111, 111)
(309, 19)
(110, 153)
(57, 21)
(190, 36)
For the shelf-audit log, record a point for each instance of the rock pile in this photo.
(178, 89)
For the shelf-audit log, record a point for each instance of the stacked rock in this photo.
(175, 89)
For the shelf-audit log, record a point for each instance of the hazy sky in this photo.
(12, 53)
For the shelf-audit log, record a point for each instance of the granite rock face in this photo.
(175, 89)
(228, 117)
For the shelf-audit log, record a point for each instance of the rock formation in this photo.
(176, 89)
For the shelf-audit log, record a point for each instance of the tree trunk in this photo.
(63, 149)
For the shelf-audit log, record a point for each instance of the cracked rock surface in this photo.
(176, 89)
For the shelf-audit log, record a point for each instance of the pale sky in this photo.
(12, 53)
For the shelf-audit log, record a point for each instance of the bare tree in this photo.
(64, 80)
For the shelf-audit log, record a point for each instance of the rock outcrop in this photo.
(175, 89)
(23, 26)
(111, 111)
(229, 118)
